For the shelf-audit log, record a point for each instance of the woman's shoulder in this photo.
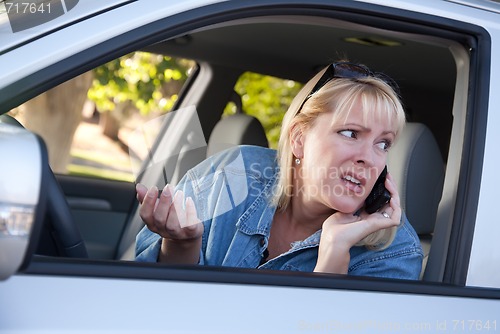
(406, 235)
(229, 178)
(240, 161)
(249, 153)
(259, 150)
(402, 259)
(242, 157)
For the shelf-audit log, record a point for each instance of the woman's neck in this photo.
(306, 214)
(289, 226)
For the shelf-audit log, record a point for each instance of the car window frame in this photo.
(477, 108)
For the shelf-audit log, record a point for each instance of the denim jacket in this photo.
(232, 192)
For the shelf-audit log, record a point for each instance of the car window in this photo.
(89, 122)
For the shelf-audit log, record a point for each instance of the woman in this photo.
(301, 208)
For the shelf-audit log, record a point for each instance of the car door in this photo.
(55, 294)
(102, 206)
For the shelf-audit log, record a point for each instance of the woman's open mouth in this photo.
(353, 184)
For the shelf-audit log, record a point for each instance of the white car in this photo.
(67, 241)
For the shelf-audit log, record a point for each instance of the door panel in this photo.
(101, 209)
(113, 305)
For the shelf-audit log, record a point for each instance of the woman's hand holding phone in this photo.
(341, 231)
(391, 210)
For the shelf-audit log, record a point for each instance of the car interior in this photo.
(430, 65)
(426, 67)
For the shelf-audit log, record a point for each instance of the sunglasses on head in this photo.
(349, 71)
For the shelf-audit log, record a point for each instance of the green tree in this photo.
(138, 81)
(266, 98)
(149, 83)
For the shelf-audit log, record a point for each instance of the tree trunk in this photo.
(55, 115)
(110, 124)
(111, 121)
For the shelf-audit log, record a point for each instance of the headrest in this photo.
(417, 166)
(237, 129)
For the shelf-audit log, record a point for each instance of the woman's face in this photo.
(341, 161)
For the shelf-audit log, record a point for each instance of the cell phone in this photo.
(379, 196)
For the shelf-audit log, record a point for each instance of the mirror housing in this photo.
(23, 175)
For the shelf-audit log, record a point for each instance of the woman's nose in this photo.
(364, 154)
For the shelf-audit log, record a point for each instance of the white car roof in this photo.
(488, 5)
(84, 8)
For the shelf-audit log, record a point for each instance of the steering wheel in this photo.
(65, 232)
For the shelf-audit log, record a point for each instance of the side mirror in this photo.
(23, 177)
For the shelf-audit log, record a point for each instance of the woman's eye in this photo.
(348, 133)
(384, 145)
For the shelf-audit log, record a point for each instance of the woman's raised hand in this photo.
(174, 218)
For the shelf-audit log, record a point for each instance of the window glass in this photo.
(88, 122)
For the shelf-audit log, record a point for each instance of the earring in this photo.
(297, 161)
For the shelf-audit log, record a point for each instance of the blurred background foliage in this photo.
(94, 115)
(150, 83)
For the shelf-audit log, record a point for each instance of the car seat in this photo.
(236, 129)
(417, 166)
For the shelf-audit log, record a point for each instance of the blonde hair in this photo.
(337, 96)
